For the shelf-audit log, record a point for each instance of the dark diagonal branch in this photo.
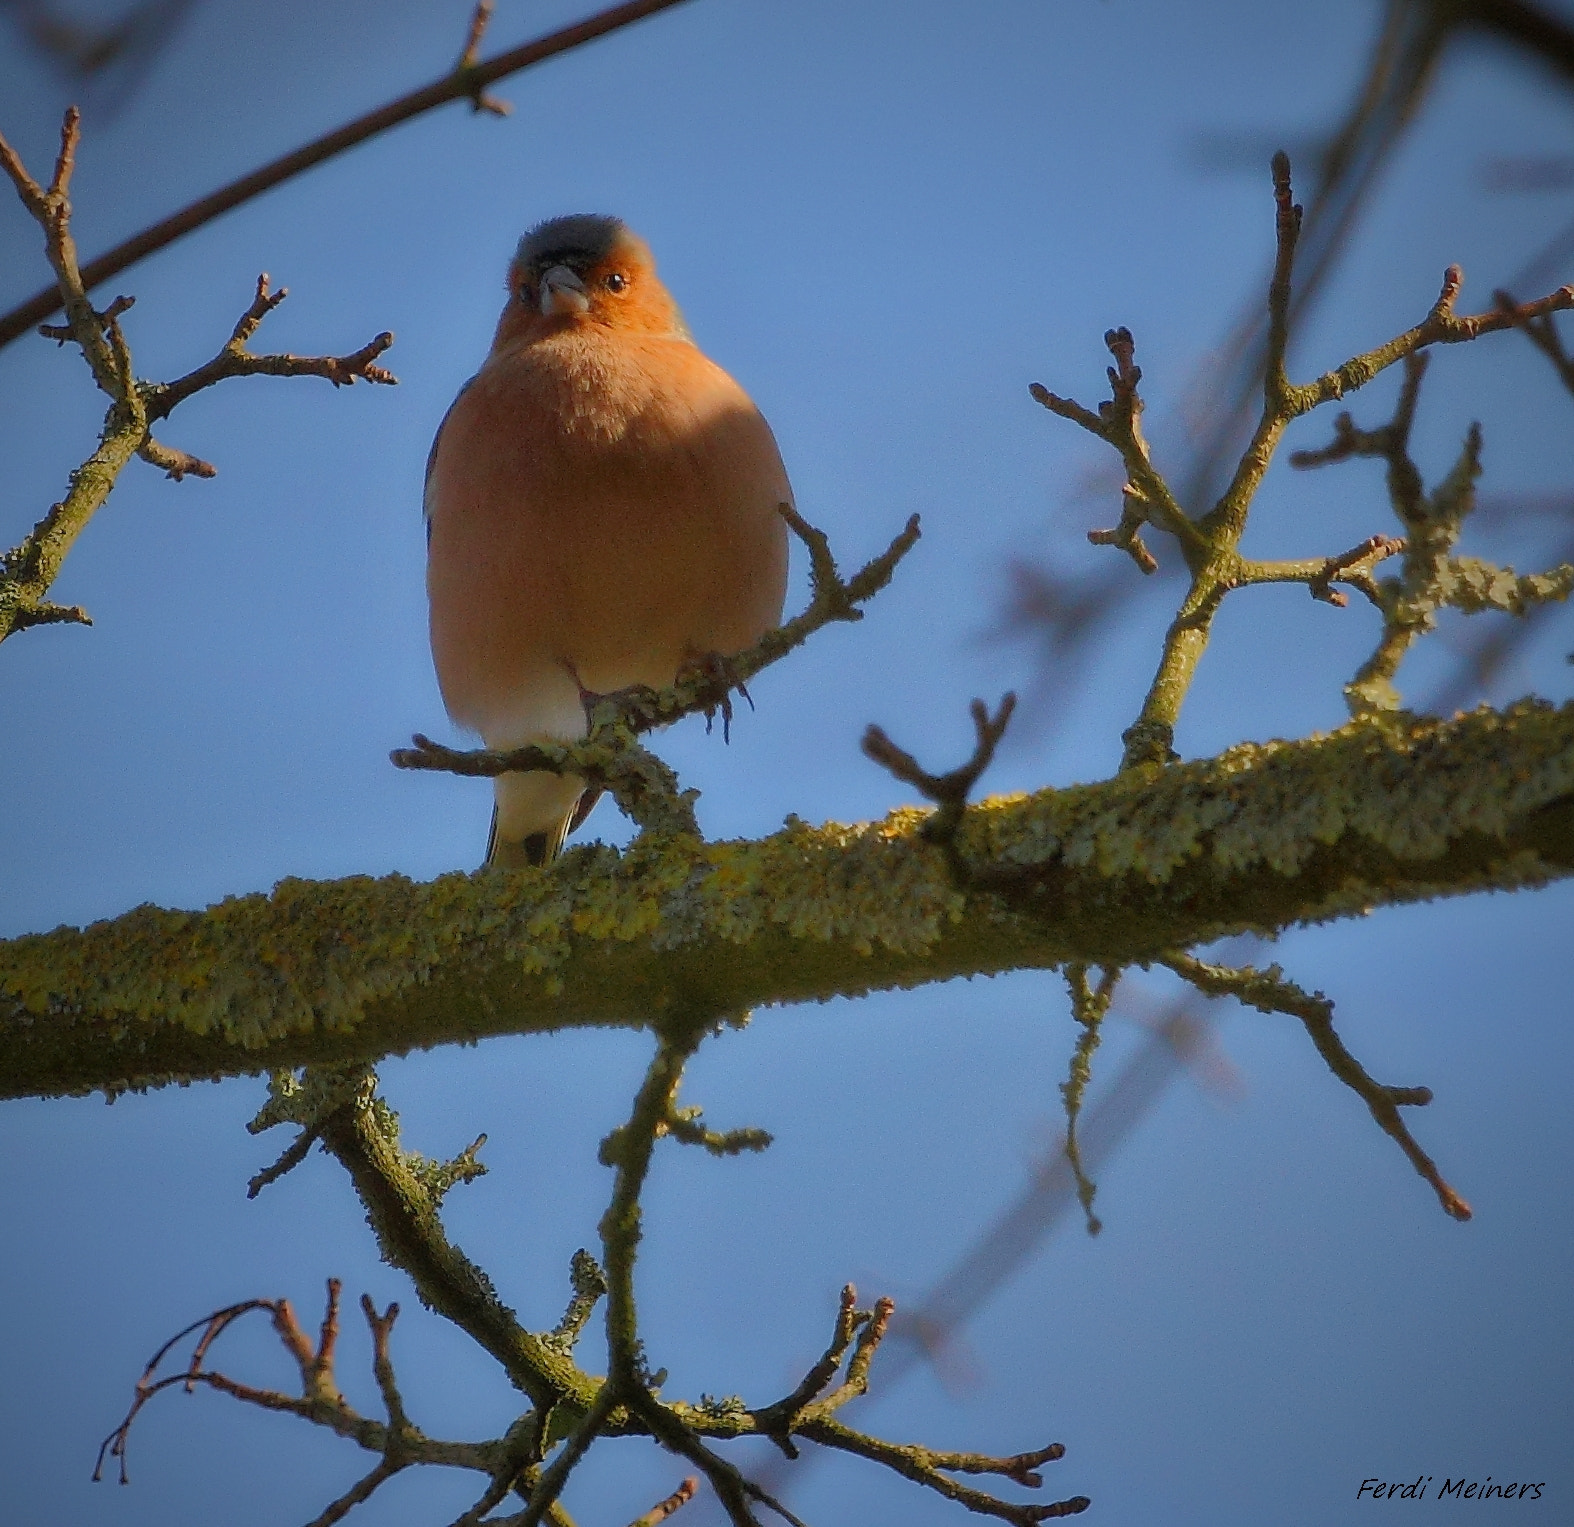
(1540, 330)
(466, 82)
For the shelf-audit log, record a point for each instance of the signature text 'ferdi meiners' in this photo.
(1451, 1489)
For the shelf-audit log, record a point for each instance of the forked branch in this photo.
(28, 570)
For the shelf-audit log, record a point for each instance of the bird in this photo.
(603, 507)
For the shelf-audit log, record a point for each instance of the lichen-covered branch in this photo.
(1209, 541)
(1432, 578)
(363, 1135)
(1089, 1004)
(1389, 809)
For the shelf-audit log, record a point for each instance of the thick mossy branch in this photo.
(1387, 810)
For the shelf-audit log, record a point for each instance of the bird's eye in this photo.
(615, 282)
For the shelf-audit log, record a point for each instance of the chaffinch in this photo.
(601, 506)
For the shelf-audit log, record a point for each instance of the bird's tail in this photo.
(537, 848)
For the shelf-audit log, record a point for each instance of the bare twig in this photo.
(664, 1508)
(319, 1401)
(1319, 574)
(856, 1381)
(1269, 992)
(948, 791)
(236, 360)
(777, 1420)
(686, 1125)
(479, 99)
(362, 1490)
(933, 1469)
(1146, 497)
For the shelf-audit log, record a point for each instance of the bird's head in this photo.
(586, 271)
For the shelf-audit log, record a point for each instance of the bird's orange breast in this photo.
(603, 506)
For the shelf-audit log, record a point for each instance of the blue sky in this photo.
(885, 221)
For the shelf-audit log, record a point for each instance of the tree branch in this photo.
(1269, 992)
(1388, 810)
(465, 82)
(28, 570)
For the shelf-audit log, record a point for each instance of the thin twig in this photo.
(28, 570)
(664, 1508)
(1089, 1004)
(479, 99)
(1269, 992)
(933, 1469)
(777, 1420)
(948, 791)
(361, 1490)
(550, 1485)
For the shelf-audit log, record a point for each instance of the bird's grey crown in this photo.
(576, 241)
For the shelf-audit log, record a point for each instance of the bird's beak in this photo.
(562, 293)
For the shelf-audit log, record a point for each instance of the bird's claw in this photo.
(715, 676)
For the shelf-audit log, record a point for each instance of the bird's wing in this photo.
(431, 460)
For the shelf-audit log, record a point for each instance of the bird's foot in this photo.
(715, 677)
(637, 704)
(704, 683)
